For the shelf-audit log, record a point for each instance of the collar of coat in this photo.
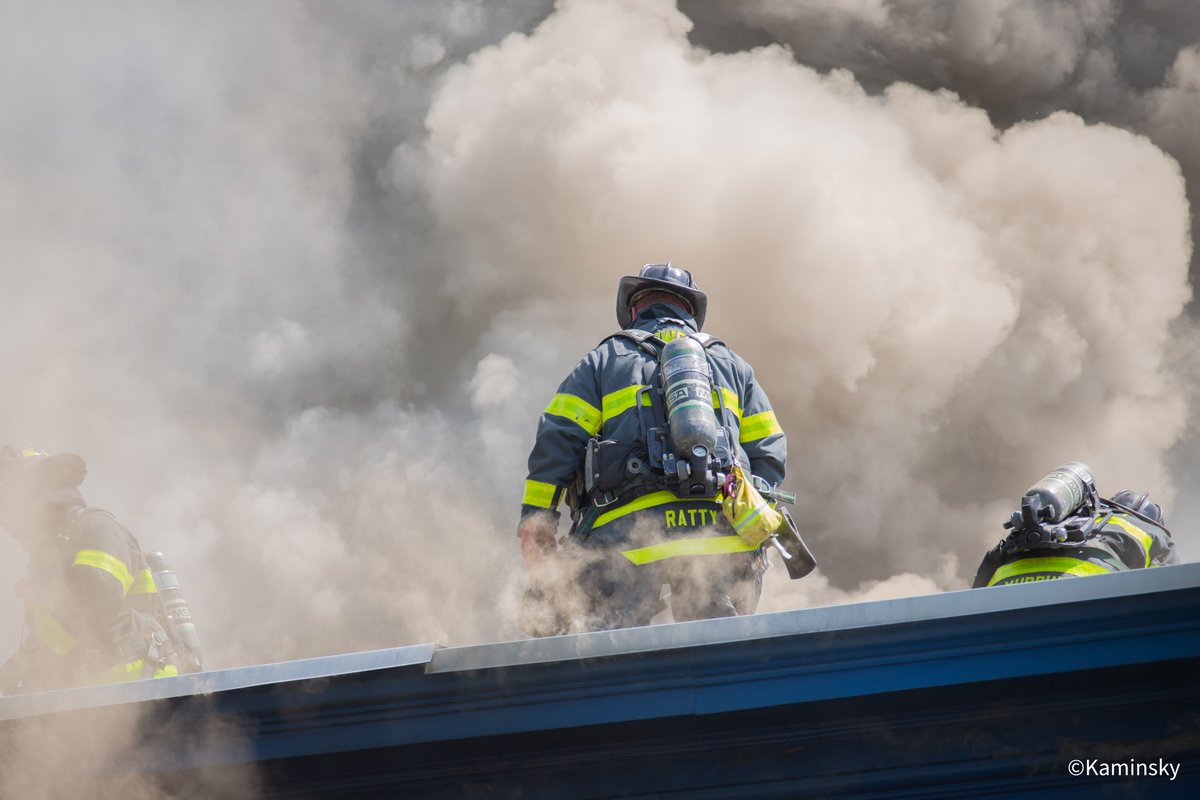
(653, 316)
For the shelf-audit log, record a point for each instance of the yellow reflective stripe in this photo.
(616, 403)
(759, 426)
(144, 583)
(1062, 565)
(1143, 538)
(732, 402)
(133, 671)
(129, 671)
(106, 563)
(711, 546)
(51, 631)
(746, 520)
(647, 501)
(669, 334)
(539, 494)
(576, 409)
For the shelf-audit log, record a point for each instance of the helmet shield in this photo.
(32, 484)
(1139, 503)
(29, 470)
(663, 278)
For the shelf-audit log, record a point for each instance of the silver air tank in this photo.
(179, 616)
(687, 387)
(1062, 491)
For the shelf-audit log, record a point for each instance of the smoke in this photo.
(1132, 65)
(1125, 63)
(296, 282)
(817, 590)
(222, 293)
(104, 753)
(939, 309)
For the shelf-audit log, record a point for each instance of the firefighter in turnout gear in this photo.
(89, 596)
(633, 530)
(1065, 529)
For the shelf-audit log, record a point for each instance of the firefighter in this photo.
(89, 595)
(1097, 537)
(631, 536)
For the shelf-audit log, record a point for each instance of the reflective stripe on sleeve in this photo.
(710, 546)
(51, 632)
(539, 494)
(647, 501)
(759, 426)
(1142, 538)
(105, 563)
(144, 583)
(1060, 565)
(576, 409)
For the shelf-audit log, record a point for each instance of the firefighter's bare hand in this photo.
(539, 542)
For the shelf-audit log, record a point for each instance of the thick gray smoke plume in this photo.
(297, 280)
(221, 290)
(1133, 64)
(940, 310)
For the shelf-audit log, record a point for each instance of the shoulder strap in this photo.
(649, 341)
(78, 516)
(706, 340)
(80, 513)
(643, 339)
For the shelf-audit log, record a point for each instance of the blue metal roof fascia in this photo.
(279, 674)
(814, 620)
(705, 667)
(1110, 630)
(827, 664)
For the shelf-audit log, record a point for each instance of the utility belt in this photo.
(612, 469)
(614, 473)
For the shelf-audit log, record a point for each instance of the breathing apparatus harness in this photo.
(685, 447)
(170, 610)
(1063, 510)
(682, 448)
(1057, 511)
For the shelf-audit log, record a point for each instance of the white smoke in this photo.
(220, 295)
(941, 311)
(1125, 63)
(297, 282)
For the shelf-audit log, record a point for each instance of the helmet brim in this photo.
(631, 285)
(61, 470)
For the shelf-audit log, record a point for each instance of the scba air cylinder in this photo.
(1063, 490)
(179, 616)
(687, 387)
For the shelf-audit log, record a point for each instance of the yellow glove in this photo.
(752, 517)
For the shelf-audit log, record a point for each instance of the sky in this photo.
(296, 279)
